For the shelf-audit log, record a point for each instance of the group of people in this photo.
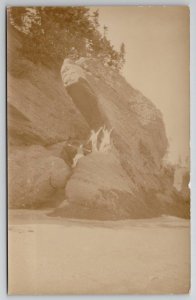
(102, 145)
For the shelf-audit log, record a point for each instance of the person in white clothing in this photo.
(105, 145)
(79, 154)
(93, 139)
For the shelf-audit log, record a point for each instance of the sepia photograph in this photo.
(98, 150)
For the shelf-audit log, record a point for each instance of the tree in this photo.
(49, 34)
(122, 55)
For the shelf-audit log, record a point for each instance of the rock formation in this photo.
(138, 143)
(51, 114)
(104, 97)
(35, 178)
(39, 108)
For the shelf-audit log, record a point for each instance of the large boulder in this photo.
(97, 180)
(99, 188)
(35, 177)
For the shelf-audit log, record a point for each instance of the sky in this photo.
(157, 62)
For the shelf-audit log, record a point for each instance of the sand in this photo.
(64, 256)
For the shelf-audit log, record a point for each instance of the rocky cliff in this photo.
(57, 110)
(39, 108)
(104, 97)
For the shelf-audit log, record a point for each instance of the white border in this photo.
(3, 4)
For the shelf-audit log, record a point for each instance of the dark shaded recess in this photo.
(51, 202)
(86, 102)
(149, 207)
(82, 212)
(96, 213)
(125, 207)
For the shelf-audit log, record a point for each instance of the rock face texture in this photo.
(39, 108)
(40, 113)
(35, 178)
(104, 97)
(100, 188)
(139, 140)
(51, 113)
(99, 181)
(129, 181)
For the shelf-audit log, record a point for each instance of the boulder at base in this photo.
(35, 178)
(100, 189)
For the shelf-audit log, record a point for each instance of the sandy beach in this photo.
(68, 256)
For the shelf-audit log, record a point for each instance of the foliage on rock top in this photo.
(49, 34)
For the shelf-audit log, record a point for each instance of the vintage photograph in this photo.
(98, 150)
